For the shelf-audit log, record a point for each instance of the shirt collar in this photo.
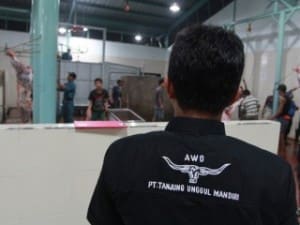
(194, 126)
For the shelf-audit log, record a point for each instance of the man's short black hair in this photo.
(98, 80)
(206, 66)
(282, 87)
(246, 92)
(73, 75)
(162, 80)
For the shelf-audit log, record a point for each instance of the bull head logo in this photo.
(194, 171)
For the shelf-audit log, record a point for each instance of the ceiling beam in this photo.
(15, 18)
(121, 26)
(120, 10)
(150, 3)
(14, 10)
(187, 14)
(113, 25)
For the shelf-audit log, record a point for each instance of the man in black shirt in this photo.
(193, 173)
(98, 102)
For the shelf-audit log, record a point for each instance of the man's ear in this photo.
(170, 88)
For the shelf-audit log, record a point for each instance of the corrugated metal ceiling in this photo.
(149, 17)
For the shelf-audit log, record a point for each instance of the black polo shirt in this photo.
(190, 174)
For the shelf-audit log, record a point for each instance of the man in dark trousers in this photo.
(69, 90)
(159, 113)
(117, 94)
(193, 173)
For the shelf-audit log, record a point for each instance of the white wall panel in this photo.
(48, 172)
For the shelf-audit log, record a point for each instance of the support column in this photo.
(280, 49)
(234, 13)
(166, 41)
(104, 36)
(44, 24)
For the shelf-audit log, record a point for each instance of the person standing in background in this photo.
(98, 102)
(291, 110)
(159, 113)
(268, 108)
(282, 117)
(69, 90)
(67, 55)
(117, 94)
(249, 107)
(24, 86)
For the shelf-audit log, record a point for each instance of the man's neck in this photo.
(197, 115)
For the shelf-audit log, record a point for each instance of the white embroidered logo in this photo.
(195, 171)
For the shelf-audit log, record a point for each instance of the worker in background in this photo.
(268, 108)
(98, 102)
(117, 94)
(267, 111)
(67, 55)
(297, 133)
(159, 112)
(24, 86)
(193, 173)
(282, 116)
(69, 90)
(249, 107)
(292, 111)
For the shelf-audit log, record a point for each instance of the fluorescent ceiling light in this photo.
(85, 29)
(138, 37)
(62, 30)
(174, 7)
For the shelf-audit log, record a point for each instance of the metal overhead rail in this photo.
(104, 32)
(23, 15)
(264, 16)
(283, 16)
(121, 25)
(119, 10)
(150, 3)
